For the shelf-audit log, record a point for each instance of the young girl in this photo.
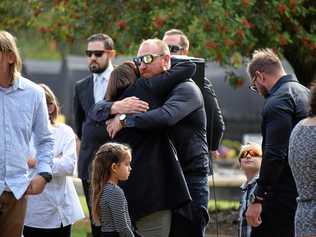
(53, 212)
(250, 157)
(112, 164)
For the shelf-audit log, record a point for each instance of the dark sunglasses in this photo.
(96, 53)
(252, 154)
(146, 59)
(174, 48)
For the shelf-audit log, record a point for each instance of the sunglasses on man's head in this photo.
(174, 48)
(146, 59)
(96, 53)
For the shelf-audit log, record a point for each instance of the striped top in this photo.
(114, 211)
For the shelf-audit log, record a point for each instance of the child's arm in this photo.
(120, 214)
(64, 163)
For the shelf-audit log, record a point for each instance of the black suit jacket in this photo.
(91, 134)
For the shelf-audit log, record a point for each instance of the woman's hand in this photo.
(113, 126)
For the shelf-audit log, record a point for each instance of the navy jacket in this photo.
(184, 114)
(91, 134)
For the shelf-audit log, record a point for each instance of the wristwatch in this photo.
(47, 176)
(255, 199)
(123, 118)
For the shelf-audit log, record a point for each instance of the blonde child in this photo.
(109, 206)
(53, 212)
(250, 157)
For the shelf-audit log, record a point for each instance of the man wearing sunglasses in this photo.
(273, 205)
(183, 111)
(88, 91)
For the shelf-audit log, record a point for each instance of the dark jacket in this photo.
(156, 181)
(91, 134)
(184, 113)
(285, 105)
(215, 122)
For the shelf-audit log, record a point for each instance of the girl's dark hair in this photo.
(122, 77)
(313, 99)
(106, 155)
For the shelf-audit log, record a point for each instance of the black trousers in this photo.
(96, 230)
(277, 221)
(63, 231)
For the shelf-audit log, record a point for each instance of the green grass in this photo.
(82, 227)
(222, 205)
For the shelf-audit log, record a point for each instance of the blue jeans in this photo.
(199, 190)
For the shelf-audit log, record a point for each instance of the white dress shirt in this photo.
(59, 202)
(100, 83)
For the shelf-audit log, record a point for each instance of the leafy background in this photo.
(226, 31)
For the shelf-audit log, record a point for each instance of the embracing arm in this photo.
(163, 83)
(103, 110)
(183, 100)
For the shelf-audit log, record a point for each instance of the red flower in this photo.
(283, 40)
(121, 24)
(211, 45)
(247, 23)
(241, 34)
(159, 22)
(228, 42)
(282, 8)
(292, 4)
(245, 3)
(207, 26)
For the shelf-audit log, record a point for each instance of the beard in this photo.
(95, 67)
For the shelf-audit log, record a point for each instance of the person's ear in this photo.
(185, 51)
(114, 168)
(166, 60)
(112, 54)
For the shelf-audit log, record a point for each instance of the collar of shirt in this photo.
(281, 81)
(104, 75)
(246, 184)
(17, 84)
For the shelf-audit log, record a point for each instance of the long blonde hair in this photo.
(8, 46)
(51, 100)
(106, 155)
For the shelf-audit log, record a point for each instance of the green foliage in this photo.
(220, 30)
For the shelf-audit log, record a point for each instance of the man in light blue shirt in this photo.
(23, 112)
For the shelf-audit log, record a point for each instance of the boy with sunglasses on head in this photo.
(250, 157)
